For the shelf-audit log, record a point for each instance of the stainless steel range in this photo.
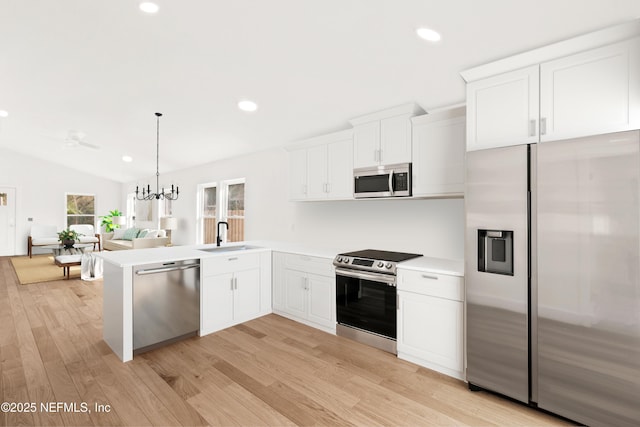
(366, 299)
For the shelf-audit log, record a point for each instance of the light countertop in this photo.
(434, 265)
(131, 257)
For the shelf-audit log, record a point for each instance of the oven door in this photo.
(366, 301)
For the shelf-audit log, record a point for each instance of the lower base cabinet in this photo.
(304, 290)
(431, 321)
(234, 289)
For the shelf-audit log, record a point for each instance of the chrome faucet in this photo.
(219, 238)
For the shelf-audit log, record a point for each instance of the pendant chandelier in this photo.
(158, 195)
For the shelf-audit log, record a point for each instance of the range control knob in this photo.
(339, 259)
(380, 264)
(345, 260)
(389, 265)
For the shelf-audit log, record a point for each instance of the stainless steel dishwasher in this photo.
(166, 303)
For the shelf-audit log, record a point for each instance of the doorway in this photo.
(7, 221)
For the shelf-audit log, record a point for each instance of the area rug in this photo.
(40, 268)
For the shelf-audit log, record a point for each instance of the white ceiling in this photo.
(104, 68)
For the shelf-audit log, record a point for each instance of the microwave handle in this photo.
(391, 181)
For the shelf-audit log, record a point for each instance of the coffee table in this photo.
(59, 249)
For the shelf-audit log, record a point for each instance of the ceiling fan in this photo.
(76, 139)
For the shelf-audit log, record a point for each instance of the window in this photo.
(222, 201)
(209, 213)
(235, 211)
(81, 209)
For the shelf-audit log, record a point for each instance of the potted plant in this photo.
(107, 221)
(68, 237)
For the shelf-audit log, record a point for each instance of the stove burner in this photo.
(372, 260)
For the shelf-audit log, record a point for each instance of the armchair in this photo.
(88, 235)
(41, 235)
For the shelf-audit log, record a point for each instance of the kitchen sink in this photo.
(220, 249)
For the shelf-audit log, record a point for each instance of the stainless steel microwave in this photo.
(382, 181)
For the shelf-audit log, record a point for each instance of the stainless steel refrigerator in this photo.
(553, 276)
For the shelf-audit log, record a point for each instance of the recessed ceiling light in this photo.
(428, 34)
(4, 113)
(148, 7)
(127, 159)
(246, 105)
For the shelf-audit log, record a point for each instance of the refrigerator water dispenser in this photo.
(495, 251)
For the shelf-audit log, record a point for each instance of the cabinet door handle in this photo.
(429, 276)
(231, 282)
(304, 189)
(235, 283)
(328, 187)
(532, 127)
(380, 156)
(543, 126)
(235, 258)
(397, 301)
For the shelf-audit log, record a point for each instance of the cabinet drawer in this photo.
(309, 264)
(432, 284)
(229, 263)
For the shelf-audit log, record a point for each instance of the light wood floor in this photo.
(270, 371)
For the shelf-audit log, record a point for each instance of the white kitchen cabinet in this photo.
(298, 174)
(383, 138)
(438, 153)
(431, 321)
(592, 92)
(366, 144)
(304, 290)
(234, 289)
(502, 110)
(322, 168)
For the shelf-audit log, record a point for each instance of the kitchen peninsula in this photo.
(226, 271)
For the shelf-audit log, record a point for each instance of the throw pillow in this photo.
(143, 233)
(118, 233)
(152, 234)
(130, 234)
(162, 233)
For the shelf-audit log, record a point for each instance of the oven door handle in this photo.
(385, 278)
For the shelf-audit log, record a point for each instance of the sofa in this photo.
(132, 238)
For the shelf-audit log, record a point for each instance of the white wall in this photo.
(40, 192)
(431, 227)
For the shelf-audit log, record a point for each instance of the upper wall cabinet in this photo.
(590, 93)
(566, 90)
(321, 168)
(383, 138)
(503, 110)
(438, 153)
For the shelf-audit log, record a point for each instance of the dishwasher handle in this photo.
(166, 269)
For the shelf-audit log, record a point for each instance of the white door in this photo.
(502, 110)
(7, 221)
(593, 92)
(298, 174)
(246, 298)
(366, 145)
(317, 172)
(395, 140)
(295, 297)
(217, 296)
(340, 169)
(322, 300)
